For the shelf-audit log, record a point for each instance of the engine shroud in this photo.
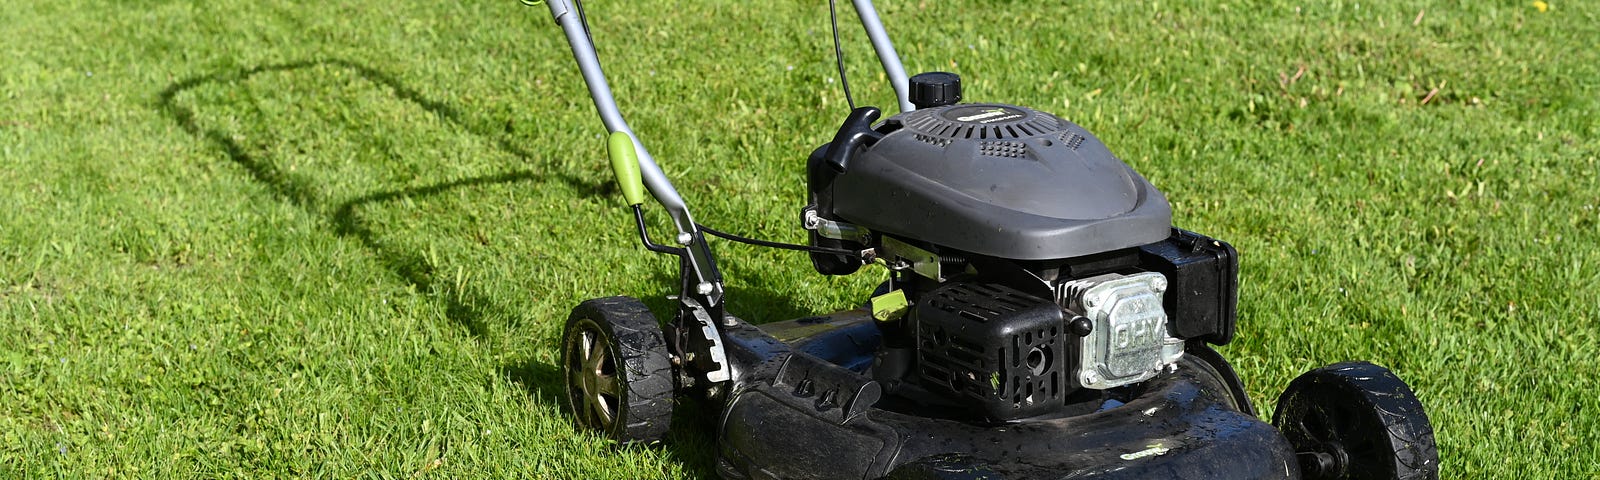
(998, 180)
(1042, 272)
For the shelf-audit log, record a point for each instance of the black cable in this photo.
(785, 246)
(644, 236)
(838, 54)
(584, 20)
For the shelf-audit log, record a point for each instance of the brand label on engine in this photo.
(984, 114)
(1137, 327)
(1142, 331)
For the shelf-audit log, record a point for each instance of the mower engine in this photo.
(1040, 274)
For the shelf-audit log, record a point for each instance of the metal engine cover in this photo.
(1131, 340)
(1000, 180)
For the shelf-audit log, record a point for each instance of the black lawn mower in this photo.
(1042, 318)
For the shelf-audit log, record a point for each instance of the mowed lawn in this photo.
(339, 239)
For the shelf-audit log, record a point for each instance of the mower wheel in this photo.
(619, 375)
(1356, 420)
(1203, 360)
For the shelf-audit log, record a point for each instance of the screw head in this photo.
(703, 288)
(684, 238)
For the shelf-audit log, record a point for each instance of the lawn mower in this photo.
(1042, 317)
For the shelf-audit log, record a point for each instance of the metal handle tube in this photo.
(886, 54)
(654, 179)
(600, 91)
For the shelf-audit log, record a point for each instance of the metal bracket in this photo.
(719, 356)
(923, 262)
(836, 230)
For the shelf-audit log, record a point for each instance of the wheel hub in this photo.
(592, 379)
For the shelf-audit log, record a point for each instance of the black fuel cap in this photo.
(935, 89)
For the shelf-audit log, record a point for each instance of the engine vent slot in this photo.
(1034, 374)
(982, 122)
(979, 301)
(932, 140)
(1071, 140)
(1003, 149)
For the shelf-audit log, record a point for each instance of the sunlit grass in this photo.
(264, 239)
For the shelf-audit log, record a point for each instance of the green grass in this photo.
(256, 239)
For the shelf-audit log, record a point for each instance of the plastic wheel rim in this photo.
(1329, 428)
(1356, 420)
(593, 386)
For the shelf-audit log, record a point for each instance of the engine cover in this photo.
(999, 180)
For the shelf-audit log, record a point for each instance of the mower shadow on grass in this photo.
(542, 380)
(463, 305)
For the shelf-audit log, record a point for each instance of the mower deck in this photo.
(803, 408)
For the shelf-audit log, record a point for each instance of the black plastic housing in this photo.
(1203, 284)
(1184, 424)
(996, 180)
(1001, 351)
(819, 182)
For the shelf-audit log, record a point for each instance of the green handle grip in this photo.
(625, 162)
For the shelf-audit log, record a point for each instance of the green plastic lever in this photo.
(625, 162)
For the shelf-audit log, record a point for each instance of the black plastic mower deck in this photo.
(803, 409)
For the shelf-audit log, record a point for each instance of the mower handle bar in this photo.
(654, 179)
(600, 91)
(707, 280)
(886, 54)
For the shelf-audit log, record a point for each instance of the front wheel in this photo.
(1356, 420)
(619, 374)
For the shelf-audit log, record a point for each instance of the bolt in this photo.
(684, 238)
(811, 220)
(704, 288)
(1091, 378)
(1080, 326)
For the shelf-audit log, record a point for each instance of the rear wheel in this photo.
(1203, 360)
(619, 375)
(1357, 420)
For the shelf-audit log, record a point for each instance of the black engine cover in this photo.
(999, 180)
